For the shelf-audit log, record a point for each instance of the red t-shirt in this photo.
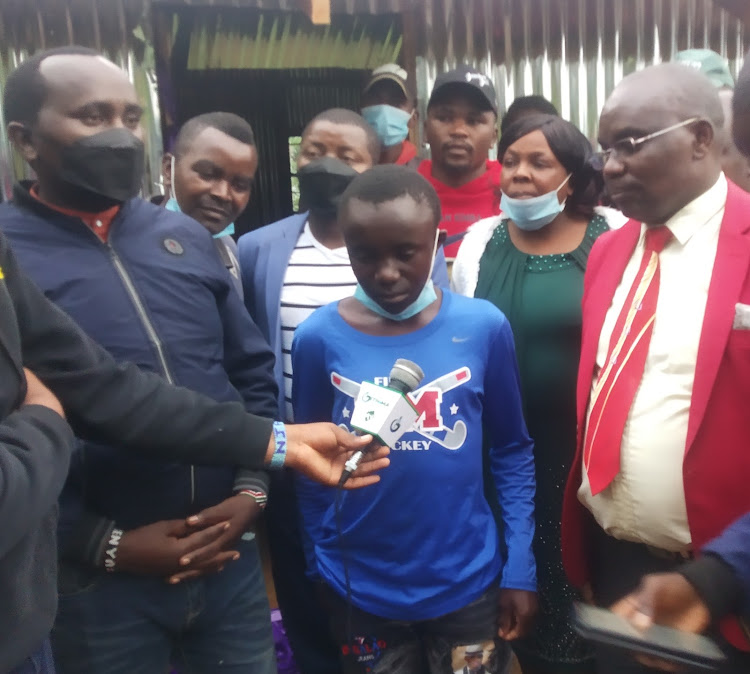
(464, 205)
(408, 152)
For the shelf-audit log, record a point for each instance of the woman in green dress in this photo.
(530, 262)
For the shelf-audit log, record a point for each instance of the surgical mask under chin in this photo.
(534, 213)
(109, 163)
(321, 184)
(391, 124)
(424, 300)
(173, 205)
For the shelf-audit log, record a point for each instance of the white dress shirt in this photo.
(646, 501)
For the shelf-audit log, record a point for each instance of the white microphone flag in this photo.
(384, 413)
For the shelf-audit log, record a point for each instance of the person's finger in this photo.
(625, 607)
(512, 635)
(374, 455)
(370, 468)
(202, 544)
(179, 529)
(366, 475)
(184, 575)
(213, 565)
(640, 621)
(359, 482)
(636, 608)
(206, 518)
(505, 622)
(515, 625)
(348, 441)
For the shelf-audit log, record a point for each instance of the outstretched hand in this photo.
(320, 451)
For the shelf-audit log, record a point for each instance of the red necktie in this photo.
(621, 374)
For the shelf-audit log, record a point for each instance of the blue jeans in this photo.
(39, 663)
(123, 624)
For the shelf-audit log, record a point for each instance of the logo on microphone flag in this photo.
(383, 412)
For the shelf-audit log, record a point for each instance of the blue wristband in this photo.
(279, 437)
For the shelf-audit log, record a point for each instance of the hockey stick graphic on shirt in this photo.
(454, 437)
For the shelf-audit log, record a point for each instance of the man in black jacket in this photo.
(147, 284)
(108, 403)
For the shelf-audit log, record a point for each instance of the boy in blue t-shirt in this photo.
(421, 549)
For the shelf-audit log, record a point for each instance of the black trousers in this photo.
(618, 567)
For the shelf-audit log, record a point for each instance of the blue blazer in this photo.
(264, 256)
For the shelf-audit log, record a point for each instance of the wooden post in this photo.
(319, 11)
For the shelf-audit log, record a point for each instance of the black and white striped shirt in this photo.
(315, 276)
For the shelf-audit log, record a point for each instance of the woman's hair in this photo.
(572, 149)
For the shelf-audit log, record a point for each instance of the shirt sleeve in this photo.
(721, 576)
(312, 401)
(35, 448)
(511, 460)
(248, 359)
(120, 404)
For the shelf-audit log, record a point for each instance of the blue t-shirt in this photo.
(422, 542)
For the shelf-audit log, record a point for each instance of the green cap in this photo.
(711, 64)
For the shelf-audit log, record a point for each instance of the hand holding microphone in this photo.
(384, 412)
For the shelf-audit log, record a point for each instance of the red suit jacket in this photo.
(716, 467)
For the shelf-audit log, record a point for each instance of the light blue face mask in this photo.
(425, 299)
(172, 205)
(391, 124)
(534, 213)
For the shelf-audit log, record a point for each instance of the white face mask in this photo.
(534, 213)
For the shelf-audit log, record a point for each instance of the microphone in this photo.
(404, 377)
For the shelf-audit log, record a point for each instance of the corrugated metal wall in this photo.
(573, 52)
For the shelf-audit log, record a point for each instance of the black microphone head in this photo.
(405, 376)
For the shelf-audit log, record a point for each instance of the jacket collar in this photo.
(23, 199)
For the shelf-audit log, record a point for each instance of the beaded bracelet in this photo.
(279, 436)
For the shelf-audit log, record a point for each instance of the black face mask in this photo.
(110, 164)
(321, 184)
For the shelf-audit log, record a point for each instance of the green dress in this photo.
(541, 296)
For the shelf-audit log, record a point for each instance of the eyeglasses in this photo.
(627, 147)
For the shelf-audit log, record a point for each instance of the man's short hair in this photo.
(386, 182)
(349, 118)
(26, 90)
(226, 122)
(524, 105)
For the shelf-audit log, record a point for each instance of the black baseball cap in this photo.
(468, 77)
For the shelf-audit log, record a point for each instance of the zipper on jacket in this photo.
(150, 331)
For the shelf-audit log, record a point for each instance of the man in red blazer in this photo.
(662, 465)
